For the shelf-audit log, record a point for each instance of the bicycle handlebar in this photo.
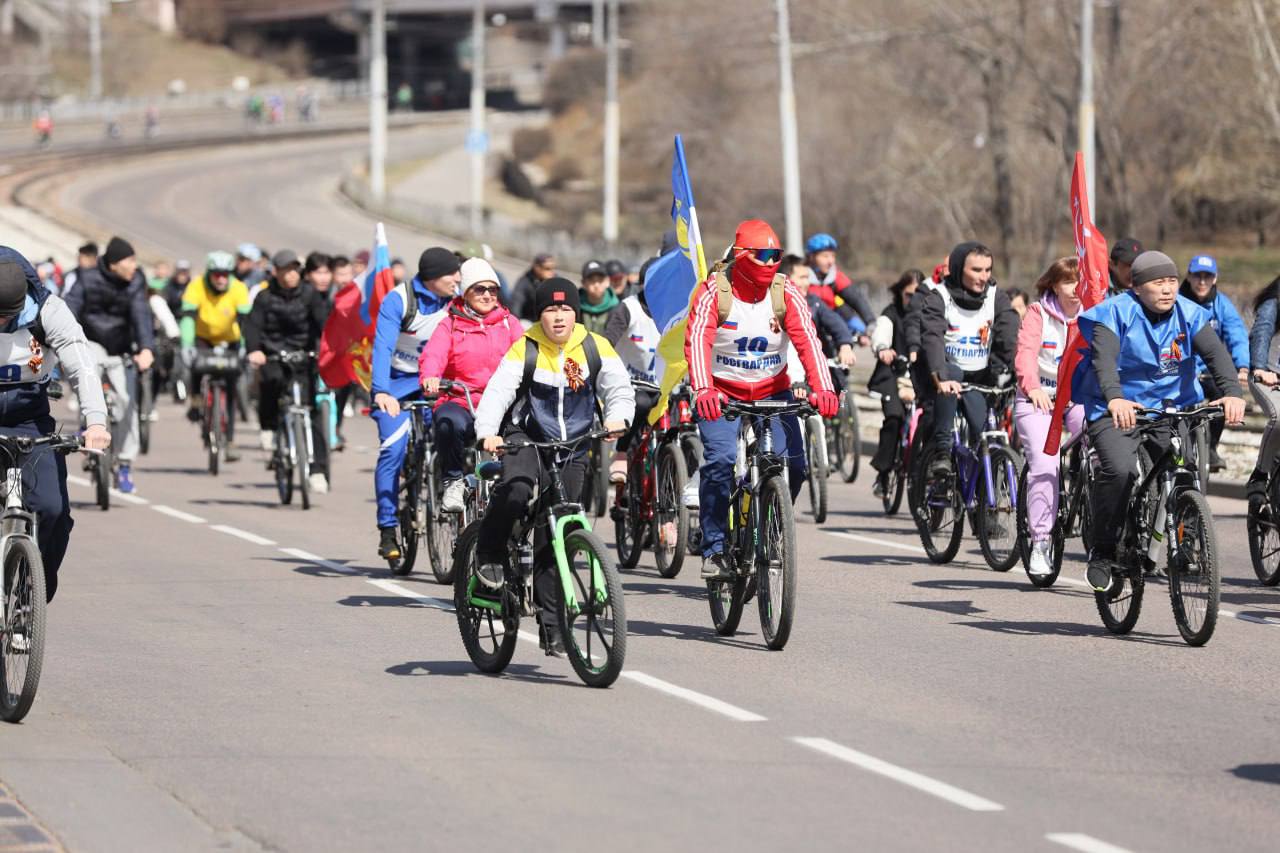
(556, 445)
(56, 441)
(1151, 416)
(450, 385)
(766, 408)
(292, 356)
(988, 389)
(646, 385)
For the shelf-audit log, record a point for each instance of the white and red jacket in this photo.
(746, 356)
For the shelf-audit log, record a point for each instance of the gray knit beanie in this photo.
(1150, 266)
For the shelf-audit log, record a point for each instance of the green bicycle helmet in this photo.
(220, 262)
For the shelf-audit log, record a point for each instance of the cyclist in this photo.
(545, 389)
(1201, 287)
(86, 258)
(619, 278)
(524, 291)
(1264, 382)
(888, 341)
(466, 347)
(633, 333)
(835, 288)
(1042, 340)
(317, 271)
(833, 331)
(110, 302)
(1120, 265)
(31, 319)
(248, 258)
(288, 316)
(1142, 349)
(212, 308)
(740, 321)
(407, 317)
(968, 333)
(167, 334)
(597, 298)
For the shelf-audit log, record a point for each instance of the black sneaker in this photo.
(940, 465)
(194, 415)
(388, 543)
(550, 641)
(490, 575)
(1215, 461)
(1256, 491)
(1099, 574)
(716, 568)
(881, 485)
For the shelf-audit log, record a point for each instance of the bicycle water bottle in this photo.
(524, 560)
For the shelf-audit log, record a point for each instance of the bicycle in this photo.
(844, 437)
(650, 507)
(146, 408)
(294, 447)
(900, 470)
(817, 445)
(591, 613)
(981, 481)
(23, 596)
(1263, 529)
(444, 528)
(761, 540)
(216, 367)
(684, 432)
(102, 466)
(1170, 509)
(1077, 463)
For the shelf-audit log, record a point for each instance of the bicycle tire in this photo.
(818, 471)
(895, 486)
(1057, 540)
(776, 592)
(300, 428)
(1120, 612)
(24, 592)
(417, 508)
(594, 612)
(1192, 514)
(442, 539)
(672, 477)
(1264, 540)
(213, 429)
(602, 485)
(627, 534)
(474, 621)
(146, 404)
(691, 447)
(1006, 468)
(938, 506)
(283, 464)
(102, 479)
(851, 454)
(1203, 456)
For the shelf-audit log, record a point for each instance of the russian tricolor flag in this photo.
(731, 325)
(347, 341)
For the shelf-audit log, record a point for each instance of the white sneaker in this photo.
(19, 643)
(455, 496)
(691, 492)
(1039, 563)
(267, 439)
(319, 484)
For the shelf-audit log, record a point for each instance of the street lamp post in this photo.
(95, 50)
(1086, 118)
(477, 141)
(378, 101)
(790, 135)
(612, 128)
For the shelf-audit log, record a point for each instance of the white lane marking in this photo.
(395, 589)
(702, 700)
(129, 499)
(1087, 843)
(915, 549)
(79, 481)
(319, 561)
(177, 513)
(242, 534)
(919, 781)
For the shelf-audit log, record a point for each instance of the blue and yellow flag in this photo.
(671, 280)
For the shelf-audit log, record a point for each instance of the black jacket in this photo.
(832, 329)
(284, 319)
(113, 312)
(522, 297)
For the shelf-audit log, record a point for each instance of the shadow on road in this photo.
(1066, 629)
(704, 633)
(1258, 772)
(958, 608)
(384, 601)
(454, 668)
(163, 469)
(870, 560)
(234, 502)
(693, 593)
(958, 585)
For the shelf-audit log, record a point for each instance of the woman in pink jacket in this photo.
(1041, 341)
(465, 348)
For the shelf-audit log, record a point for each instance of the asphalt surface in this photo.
(226, 673)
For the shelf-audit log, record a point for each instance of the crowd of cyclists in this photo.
(532, 371)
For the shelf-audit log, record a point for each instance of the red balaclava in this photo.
(751, 280)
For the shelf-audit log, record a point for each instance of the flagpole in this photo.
(1086, 112)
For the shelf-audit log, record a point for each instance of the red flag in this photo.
(347, 341)
(1091, 247)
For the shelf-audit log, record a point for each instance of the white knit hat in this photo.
(477, 271)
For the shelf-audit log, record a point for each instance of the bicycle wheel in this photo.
(146, 405)
(691, 446)
(301, 428)
(595, 637)
(776, 562)
(417, 509)
(628, 535)
(1120, 607)
(670, 515)
(1194, 573)
(102, 479)
(1203, 456)
(939, 508)
(1057, 539)
(282, 462)
(600, 498)
(442, 537)
(213, 428)
(489, 631)
(894, 487)
(997, 526)
(1264, 540)
(818, 470)
(850, 440)
(24, 609)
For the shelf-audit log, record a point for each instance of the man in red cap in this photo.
(736, 345)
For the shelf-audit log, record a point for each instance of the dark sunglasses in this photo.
(764, 256)
(479, 290)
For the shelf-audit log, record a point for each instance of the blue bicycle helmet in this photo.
(821, 242)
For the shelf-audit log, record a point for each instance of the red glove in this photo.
(826, 402)
(708, 404)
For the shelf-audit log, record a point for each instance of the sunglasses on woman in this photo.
(481, 290)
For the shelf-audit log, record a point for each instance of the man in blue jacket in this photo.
(406, 318)
(1143, 348)
(1201, 287)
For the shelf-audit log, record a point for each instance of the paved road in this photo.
(226, 673)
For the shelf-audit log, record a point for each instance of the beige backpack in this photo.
(724, 293)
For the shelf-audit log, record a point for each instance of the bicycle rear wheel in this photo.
(815, 441)
(102, 478)
(600, 496)
(442, 538)
(1194, 573)
(997, 527)
(1120, 607)
(283, 464)
(628, 533)
(1057, 539)
(670, 514)
(146, 406)
(595, 637)
(301, 427)
(850, 440)
(417, 509)
(776, 595)
(489, 630)
(939, 508)
(213, 428)
(1264, 538)
(24, 609)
